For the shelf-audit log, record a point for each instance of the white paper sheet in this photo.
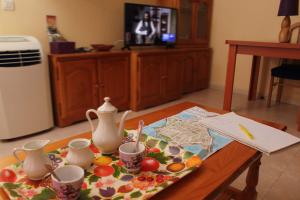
(266, 139)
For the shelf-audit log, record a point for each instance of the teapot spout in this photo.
(121, 126)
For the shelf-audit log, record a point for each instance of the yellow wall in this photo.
(84, 21)
(101, 21)
(254, 20)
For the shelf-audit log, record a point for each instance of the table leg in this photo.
(230, 77)
(250, 193)
(298, 119)
(254, 77)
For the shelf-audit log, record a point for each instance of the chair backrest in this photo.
(293, 28)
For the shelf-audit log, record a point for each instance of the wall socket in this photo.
(8, 5)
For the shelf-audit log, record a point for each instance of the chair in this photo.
(290, 71)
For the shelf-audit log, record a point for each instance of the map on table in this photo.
(184, 129)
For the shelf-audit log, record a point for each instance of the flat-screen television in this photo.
(149, 25)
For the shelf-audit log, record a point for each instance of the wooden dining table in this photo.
(256, 50)
(212, 180)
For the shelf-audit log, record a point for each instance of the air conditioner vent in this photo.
(20, 58)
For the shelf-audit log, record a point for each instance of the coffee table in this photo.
(212, 180)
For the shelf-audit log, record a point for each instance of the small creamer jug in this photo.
(79, 153)
(35, 160)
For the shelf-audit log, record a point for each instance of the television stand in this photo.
(126, 47)
(170, 46)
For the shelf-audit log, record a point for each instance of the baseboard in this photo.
(235, 91)
(245, 92)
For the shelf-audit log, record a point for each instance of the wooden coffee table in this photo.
(212, 179)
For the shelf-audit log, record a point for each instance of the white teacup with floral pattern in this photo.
(71, 180)
(130, 157)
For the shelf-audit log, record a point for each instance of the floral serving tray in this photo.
(107, 178)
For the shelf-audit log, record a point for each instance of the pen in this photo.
(246, 131)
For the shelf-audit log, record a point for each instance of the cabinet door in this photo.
(150, 80)
(188, 61)
(202, 69)
(77, 89)
(113, 76)
(194, 18)
(185, 21)
(203, 11)
(173, 77)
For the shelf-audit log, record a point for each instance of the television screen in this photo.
(149, 25)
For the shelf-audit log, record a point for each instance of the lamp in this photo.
(287, 8)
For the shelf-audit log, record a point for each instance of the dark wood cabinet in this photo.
(188, 62)
(202, 69)
(138, 79)
(196, 70)
(159, 76)
(173, 77)
(113, 76)
(81, 81)
(77, 92)
(150, 73)
(194, 21)
(154, 78)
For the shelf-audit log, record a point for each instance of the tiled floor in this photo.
(279, 173)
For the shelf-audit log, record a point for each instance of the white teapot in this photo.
(106, 136)
(35, 161)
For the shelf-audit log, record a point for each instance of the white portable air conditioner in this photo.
(25, 100)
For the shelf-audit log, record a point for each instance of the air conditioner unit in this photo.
(25, 99)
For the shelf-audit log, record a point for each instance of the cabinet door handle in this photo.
(164, 77)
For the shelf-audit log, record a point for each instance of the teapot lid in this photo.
(107, 106)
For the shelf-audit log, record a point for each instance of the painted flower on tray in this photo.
(154, 150)
(27, 181)
(101, 171)
(120, 163)
(84, 186)
(125, 188)
(175, 167)
(7, 175)
(108, 192)
(149, 164)
(20, 172)
(194, 161)
(99, 184)
(54, 158)
(143, 182)
(108, 181)
(64, 154)
(127, 177)
(102, 160)
(27, 193)
(94, 148)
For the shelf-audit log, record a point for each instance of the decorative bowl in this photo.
(102, 47)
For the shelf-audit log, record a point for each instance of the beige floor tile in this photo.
(286, 187)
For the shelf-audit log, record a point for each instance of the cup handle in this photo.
(89, 118)
(16, 150)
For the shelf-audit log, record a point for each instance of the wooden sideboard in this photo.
(138, 79)
(80, 82)
(159, 76)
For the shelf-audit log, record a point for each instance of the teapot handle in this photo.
(89, 118)
(16, 155)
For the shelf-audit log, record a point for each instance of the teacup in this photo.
(130, 157)
(71, 180)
